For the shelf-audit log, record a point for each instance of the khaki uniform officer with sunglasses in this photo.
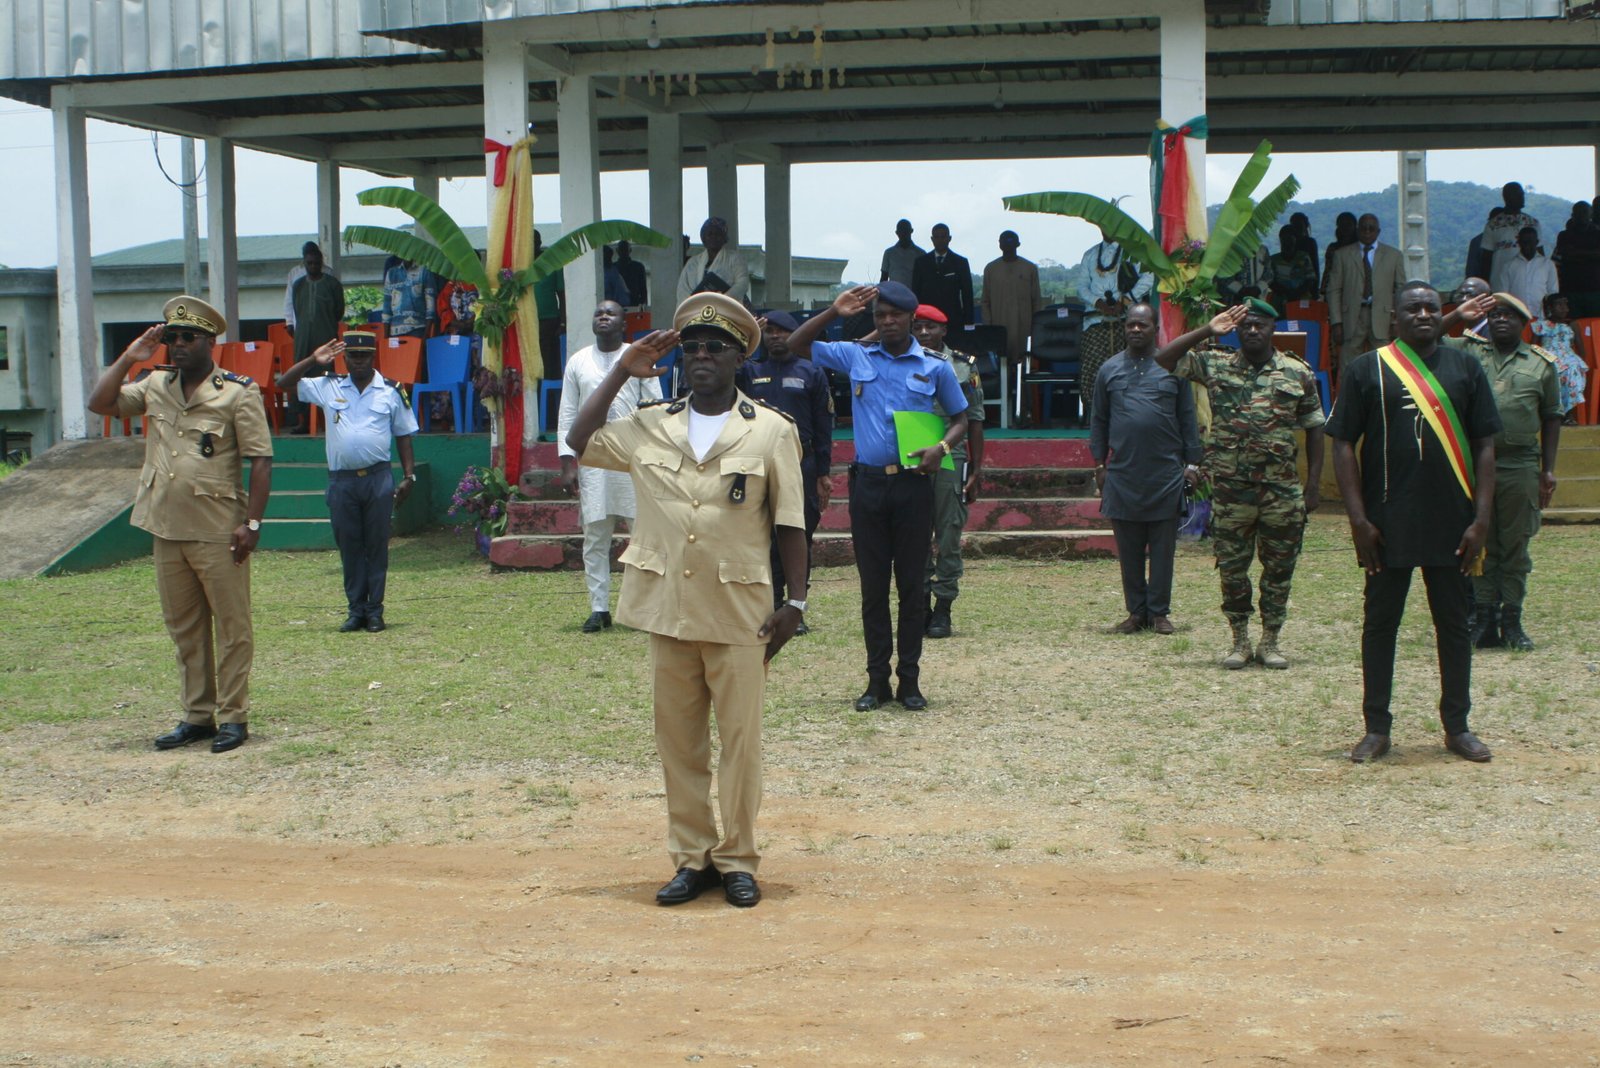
(717, 477)
(203, 423)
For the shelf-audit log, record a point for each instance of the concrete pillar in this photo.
(428, 186)
(578, 155)
(328, 228)
(779, 243)
(1413, 186)
(191, 219)
(80, 364)
(722, 189)
(1183, 76)
(222, 233)
(505, 119)
(665, 140)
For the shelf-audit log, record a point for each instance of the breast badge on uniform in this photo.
(747, 409)
(736, 492)
(208, 448)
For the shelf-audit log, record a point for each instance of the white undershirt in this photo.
(703, 431)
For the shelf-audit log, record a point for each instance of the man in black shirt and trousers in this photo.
(1421, 496)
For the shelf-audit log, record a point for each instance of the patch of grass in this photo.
(1000, 843)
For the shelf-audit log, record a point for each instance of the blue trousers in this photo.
(361, 509)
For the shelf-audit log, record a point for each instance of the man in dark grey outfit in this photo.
(1142, 435)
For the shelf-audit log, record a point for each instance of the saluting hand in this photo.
(1476, 309)
(854, 301)
(144, 346)
(641, 357)
(327, 351)
(1224, 321)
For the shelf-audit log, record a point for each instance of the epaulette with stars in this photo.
(405, 398)
(962, 356)
(770, 408)
(228, 376)
(1549, 357)
(651, 402)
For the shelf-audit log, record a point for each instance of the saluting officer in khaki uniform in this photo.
(203, 422)
(716, 475)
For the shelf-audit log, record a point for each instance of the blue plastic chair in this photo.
(449, 361)
(551, 387)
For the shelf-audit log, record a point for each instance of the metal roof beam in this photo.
(216, 87)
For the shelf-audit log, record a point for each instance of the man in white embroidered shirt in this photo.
(363, 411)
(718, 476)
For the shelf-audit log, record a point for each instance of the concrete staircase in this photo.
(1036, 501)
(297, 511)
(1577, 497)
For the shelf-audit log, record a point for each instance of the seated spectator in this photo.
(1555, 335)
(1291, 272)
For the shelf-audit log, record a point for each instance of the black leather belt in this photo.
(884, 469)
(360, 472)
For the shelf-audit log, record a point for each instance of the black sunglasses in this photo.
(186, 336)
(710, 348)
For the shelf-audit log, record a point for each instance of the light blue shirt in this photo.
(881, 384)
(360, 421)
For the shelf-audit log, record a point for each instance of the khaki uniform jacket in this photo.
(1344, 284)
(184, 494)
(1527, 392)
(697, 568)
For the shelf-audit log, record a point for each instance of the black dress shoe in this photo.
(876, 696)
(1467, 746)
(229, 736)
(184, 733)
(911, 697)
(687, 885)
(1369, 748)
(375, 623)
(352, 622)
(740, 888)
(596, 622)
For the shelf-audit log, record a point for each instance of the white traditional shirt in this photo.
(729, 265)
(600, 493)
(1097, 275)
(1530, 281)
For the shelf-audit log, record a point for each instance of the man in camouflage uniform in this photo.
(1528, 395)
(1259, 398)
(952, 490)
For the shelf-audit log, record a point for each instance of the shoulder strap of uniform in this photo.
(1549, 357)
(229, 376)
(651, 402)
(770, 408)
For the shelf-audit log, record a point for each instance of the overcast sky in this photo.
(131, 203)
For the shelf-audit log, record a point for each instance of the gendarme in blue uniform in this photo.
(361, 424)
(881, 384)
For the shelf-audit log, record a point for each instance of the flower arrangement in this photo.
(481, 499)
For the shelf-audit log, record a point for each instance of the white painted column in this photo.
(505, 119)
(222, 233)
(328, 229)
(666, 214)
(1183, 75)
(191, 219)
(779, 240)
(80, 365)
(578, 155)
(722, 188)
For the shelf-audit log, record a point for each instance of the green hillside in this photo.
(1456, 214)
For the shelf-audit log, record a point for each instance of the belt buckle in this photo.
(361, 472)
(892, 469)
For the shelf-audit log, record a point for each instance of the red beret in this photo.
(928, 311)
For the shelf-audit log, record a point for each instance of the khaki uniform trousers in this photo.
(692, 679)
(1363, 335)
(200, 589)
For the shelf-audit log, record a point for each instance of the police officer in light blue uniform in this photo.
(891, 503)
(363, 412)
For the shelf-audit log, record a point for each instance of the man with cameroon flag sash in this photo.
(1425, 418)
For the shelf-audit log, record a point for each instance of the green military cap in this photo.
(720, 312)
(195, 314)
(1260, 307)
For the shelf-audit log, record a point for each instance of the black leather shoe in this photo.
(375, 623)
(876, 696)
(1370, 748)
(740, 888)
(596, 622)
(911, 697)
(183, 734)
(1467, 746)
(353, 622)
(687, 885)
(939, 619)
(229, 736)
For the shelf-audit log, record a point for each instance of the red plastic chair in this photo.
(1586, 335)
(136, 372)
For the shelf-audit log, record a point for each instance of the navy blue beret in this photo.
(897, 296)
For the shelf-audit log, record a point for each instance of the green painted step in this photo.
(297, 511)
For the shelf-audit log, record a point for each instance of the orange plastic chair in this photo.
(226, 353)
(254, 359)
(136, 372)
(1586, 334)
(279, 338)
(637, 321)
(400, 361)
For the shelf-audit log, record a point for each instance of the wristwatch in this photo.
(409, 478)
(800, 605)
(945, 445)
(253, 524)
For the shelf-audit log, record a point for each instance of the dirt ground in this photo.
(139, 932)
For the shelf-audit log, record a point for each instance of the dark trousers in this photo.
(891, 522)
(1139, 543)
(780, 582)
(1385, 604)
(361, 508)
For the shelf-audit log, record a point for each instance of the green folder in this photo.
(918, 430)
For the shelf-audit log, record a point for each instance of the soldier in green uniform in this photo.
(204, 423)
(1529, 397)
(953, 490)
(1259, 398)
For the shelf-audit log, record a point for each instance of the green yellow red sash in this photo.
(1434, 404)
